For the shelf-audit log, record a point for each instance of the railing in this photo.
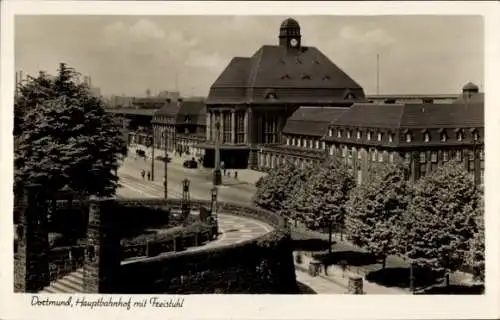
(64, 260)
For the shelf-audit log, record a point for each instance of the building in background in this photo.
(179, 126)
(423, 134)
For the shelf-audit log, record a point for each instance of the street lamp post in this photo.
(217, 178)
(214, 211)
(153, 157)
(165, 166)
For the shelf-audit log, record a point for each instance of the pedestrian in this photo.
(143, 173)
(224, 172)
(149, 175)
(236, 175)
(229, 174)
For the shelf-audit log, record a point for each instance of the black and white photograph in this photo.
(284, 154)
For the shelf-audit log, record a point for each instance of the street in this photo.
(200, 187)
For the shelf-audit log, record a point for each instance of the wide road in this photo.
(200, 186)
(234, 229)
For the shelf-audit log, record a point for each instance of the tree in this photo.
(63, 136)
(440, 219)
(322, 200)
(375, 208)
(274, 189)
(476, 254)
(297, 186)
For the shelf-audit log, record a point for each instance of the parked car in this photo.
(191, 164)
(163, 158)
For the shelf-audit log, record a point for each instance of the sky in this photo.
(131, 54)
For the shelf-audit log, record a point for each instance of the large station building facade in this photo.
(253, 97)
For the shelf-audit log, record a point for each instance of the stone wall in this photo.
(261, 265)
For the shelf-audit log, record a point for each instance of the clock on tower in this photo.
(293, 42)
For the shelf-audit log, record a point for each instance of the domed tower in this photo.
(290, 34)
(469, 90)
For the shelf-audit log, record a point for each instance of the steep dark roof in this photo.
(312, 120)
(302, 75)
(456, 115)
(194, 109)
(372, 115)
(169, 109)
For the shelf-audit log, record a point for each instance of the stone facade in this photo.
(103, 252)
(31, 259)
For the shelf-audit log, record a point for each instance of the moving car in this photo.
(191, 164)
(162, 158)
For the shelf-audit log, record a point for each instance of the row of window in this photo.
(306, 143)
(408, 136)
(377, 155)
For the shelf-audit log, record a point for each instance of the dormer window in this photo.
(306, 77)
(369, 136)
(287, 141)
(327, 77)
(285, 77)
(391, 137)
(443, 137)
(330, 132)
(316, 62)
(460, 135)
(427, 137)
(408, 137)
(298, 142)
(293, 141)
(358, 134)
(476, 135)
(271, 96)
(348, 134)
(317, 144)
(379, 136)
(339, 133)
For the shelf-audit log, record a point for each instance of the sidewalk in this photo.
(340, 278)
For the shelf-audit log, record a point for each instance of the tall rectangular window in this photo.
(226, 120)
(445, 155)
(422, 157)
(434, 157)
(359, 176)
(240, 126)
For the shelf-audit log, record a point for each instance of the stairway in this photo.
(71, 283)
